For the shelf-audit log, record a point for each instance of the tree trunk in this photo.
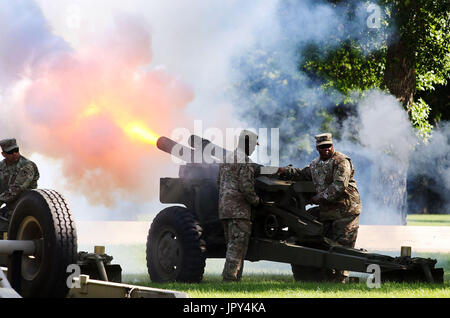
(388, 191)
(400, 79)
(400, 72)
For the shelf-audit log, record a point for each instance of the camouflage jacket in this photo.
(16, 178)
(334, 183)
(237, 188)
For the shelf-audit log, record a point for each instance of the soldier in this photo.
(236, 196)
(16, 175)
(337, 196)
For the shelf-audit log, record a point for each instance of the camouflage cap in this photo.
(324, 139)
(8, 144)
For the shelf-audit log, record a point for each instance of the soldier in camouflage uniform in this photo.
(236, 197)
(337, 196)
(16, 175)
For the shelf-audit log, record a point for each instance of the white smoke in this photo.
(381, 155)
(199, 41)
(430, 163)
(384, 126)
(379, 138)
(192, 42)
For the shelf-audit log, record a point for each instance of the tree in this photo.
(408, 56)
(415, 58)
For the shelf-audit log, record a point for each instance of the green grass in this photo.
(428, 219)
(269, 280)
(278, 282)
(284, 286)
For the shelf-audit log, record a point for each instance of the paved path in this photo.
(391, 237)
(370, 237)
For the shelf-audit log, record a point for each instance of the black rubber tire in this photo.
(175, 249)
(307, 273)
(44, 214)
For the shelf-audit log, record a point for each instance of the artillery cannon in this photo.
(181, 238)
(41, 253)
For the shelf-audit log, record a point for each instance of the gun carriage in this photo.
(182, 237)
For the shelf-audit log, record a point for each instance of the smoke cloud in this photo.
(378, 136)
(80, 96)
(97, 107)
(81, 83)
(385, 141)
(390, 156)
(429, 171)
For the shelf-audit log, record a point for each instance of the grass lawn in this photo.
(279, 283)
(428, 219)
(274, 280)
(284, 286)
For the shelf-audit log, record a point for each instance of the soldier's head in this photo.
(10, 150)
(324, 145)
(248, 141)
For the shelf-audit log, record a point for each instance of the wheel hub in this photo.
(169, 251)
(30, 229)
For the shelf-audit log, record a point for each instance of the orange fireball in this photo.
(135, 129)
(138, 131)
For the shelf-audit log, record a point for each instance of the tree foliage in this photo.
(422, 27)
(330, 74)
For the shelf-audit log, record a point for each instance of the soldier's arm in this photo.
(341, 178)
(1, 192)
(218, 179)
(23, 180)
(247, 184)
(296, 174)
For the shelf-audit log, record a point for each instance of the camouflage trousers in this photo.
(237, 236)
(343, 231)
(5, 216)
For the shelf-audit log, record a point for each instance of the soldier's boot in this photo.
(241, 270)
(231, 271)
(334, 276)
(341, 277)
(327, 274)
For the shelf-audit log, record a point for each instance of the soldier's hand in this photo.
(260, 203)
(315, 199)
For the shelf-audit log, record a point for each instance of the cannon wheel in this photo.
(44, 215)
(175, 250)
(307, 273)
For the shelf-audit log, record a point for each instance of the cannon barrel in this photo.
(214, 152)
(180, 151)
(200, 150)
